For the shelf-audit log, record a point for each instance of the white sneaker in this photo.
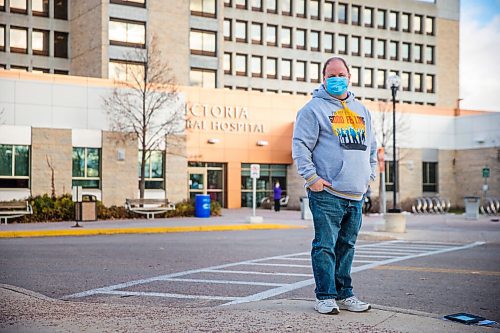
(326, 306)
(353, 304)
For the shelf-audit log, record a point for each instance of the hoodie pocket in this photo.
(353, 177)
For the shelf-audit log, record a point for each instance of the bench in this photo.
(268, 202)
(12, 209)
(149, 207)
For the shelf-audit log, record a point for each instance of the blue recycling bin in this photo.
(202, 205)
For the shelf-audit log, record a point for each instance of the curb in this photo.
(152, 230)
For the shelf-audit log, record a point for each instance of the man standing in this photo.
(335, 151)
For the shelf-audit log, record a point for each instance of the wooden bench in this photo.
(149, 207)
(12, 209)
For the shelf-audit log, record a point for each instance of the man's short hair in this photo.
(332, 59)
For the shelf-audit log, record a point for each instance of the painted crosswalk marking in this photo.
(367, 256)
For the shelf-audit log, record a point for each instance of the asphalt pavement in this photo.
(22, 310)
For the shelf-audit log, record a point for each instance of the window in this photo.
(19, 6)
(417, 24)
(314, 9)
(86, 167)
(256, 33)
(135, 3)
(61, 72)
(202, 42)
(329, 14)
(241, 31)
(228, 35)
(355, 41)
(429, 26)
(300, 35)
(127, 33)
(368, 17)
(368, 77)
(286, 69)
(204, 8)
(286, 7)
(368, 47)
(405, 81)
(393, 21)
(429, 83)
(417, 53)
(271, 68)
(381, 19)
(2, 5)
(405, 22)
(301, 8)
(342, 13)
(300, 70)
(202, 78)
(417, 82)
(381, 49)
(40, 70)
(228, 69)
(241, 4)
(381, 78)
(228, 3)
(328, 42)
(405, 51)
(153, 174)
(2, 38)
(315, 72)
(389, 175)
(355, 72)
(61, 9)
(126, 70)
(60, 44)
(40, 7)
(256, 66)
(314, 40)
(429, 176)
(40, 42)
(272, 6)
(355, 19)
(241, 64)
(393, 50)
(342, 44)
(286, 37)
(271, 35)
(429, 54)
(14, 166)
(257, 5)
(18, 40)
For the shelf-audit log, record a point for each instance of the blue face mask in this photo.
(336, 85)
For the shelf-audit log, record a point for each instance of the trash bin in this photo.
(202, 205)
(305, 211)
(471, 207)
(87, 209)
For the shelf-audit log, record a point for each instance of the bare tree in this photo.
(145, 102)
(52, 178)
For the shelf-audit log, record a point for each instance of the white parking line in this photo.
(396, 251)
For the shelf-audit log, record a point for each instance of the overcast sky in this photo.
(480, 54)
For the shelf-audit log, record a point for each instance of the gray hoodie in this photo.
(334, 140)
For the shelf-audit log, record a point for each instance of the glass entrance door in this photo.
(207, 178)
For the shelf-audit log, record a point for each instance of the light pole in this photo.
(393, 81)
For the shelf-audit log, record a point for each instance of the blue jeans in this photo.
(336, 225)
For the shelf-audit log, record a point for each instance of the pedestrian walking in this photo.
(277, 197)
(334, 149)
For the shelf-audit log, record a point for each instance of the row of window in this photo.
(39, 39)
(38, 7)
(330, 11)
(310, 39)
(39, 70)
(371, 78)
(86, 167)
(429, 176)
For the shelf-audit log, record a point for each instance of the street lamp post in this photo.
(393, 81)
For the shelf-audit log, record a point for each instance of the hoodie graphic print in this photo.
(350, 128)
